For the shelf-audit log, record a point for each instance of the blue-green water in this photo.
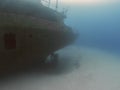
(98, 25)
(91, 63)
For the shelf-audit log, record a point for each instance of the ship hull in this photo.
(29, 33)
(29, 46)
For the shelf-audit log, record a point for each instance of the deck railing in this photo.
(54, 5)
(48, 3)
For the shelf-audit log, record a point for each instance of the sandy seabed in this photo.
(79, 68)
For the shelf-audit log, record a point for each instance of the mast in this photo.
(56, 4)
(49, 3)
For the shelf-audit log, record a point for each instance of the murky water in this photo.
(93, 63)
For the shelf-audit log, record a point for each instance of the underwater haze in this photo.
(98, 25)
(91, 63)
